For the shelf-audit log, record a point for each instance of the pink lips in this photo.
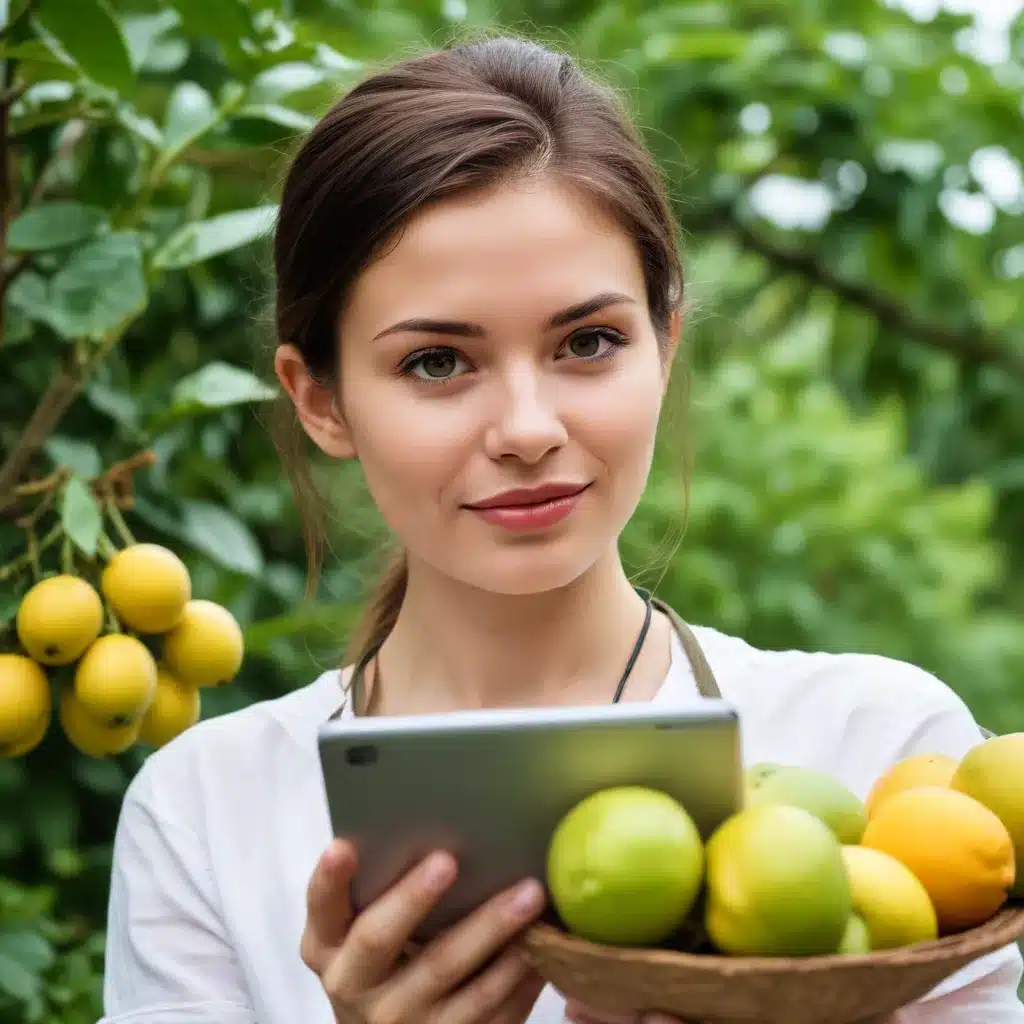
(535, 508)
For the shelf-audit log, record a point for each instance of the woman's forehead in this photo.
(520, 251)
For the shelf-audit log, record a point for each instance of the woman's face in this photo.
(503, 345)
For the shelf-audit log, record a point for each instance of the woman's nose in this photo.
(525, 421)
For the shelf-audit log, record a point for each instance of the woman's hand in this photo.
(359, 958)
(576, 1013)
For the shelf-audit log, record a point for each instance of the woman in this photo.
(478, 297)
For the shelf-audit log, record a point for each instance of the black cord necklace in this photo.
(355, 684)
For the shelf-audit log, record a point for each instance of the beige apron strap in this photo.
(707, 685)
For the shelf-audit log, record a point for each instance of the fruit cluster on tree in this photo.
(133, 653)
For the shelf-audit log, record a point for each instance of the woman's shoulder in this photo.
(786, 674)
(853, 713)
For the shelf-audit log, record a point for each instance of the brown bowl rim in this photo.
(1009, 919)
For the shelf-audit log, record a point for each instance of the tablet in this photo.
(491, 786)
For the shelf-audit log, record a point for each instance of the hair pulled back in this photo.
(463, 118)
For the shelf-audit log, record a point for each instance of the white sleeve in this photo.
(168, 959)
(985, 991)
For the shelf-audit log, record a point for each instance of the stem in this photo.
(106, 547)
(22, 562)
(120, 526)
(67, 557)
(33, 554)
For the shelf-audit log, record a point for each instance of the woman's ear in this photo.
(314, 404)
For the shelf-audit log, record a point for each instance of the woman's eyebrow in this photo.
(463, 329)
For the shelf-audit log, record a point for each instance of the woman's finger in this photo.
(380, 933)
(452, 958)
(522, 1001)
(328, 910)
(487, 994)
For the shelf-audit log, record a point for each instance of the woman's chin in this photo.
(530, 569)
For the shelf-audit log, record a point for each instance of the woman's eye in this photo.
(594, 344)
(436, 365)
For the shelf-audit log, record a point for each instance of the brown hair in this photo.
(462, 118)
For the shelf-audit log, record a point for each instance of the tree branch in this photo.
(55, 402)
(971, 344)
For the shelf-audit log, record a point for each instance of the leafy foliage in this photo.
(848, 179)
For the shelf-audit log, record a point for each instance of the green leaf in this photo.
(80, 516)
(81, 457)
(54, 226)
(222, 536)
(227, 21)
(277, 114)
(204, 239)
(219, 385)
(30, 296)
(191, 113)
(89, 32)
(100, 287)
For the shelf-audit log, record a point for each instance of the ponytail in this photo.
(381, 612)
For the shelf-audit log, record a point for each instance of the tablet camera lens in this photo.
(359, 756)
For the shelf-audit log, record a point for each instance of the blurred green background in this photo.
(847, 176)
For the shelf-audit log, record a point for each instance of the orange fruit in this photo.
(917, 770)
(959, 849)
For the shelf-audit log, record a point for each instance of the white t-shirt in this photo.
(221, 829)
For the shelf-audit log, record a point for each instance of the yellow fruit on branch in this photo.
(58, 619)
(148, 587)
(959, 849)
(115, 681)
(174, 709)
(25, 705)
(206, 647)
(30, 740)
(993, 773)
(90, 736)
(909, 773)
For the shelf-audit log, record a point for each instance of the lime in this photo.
(776, 884)
(625, 866)
(815, 791)
(856, 939)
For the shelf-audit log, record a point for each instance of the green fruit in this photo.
(776, 884)
(625, 866)
(813, 791)
(856, 939)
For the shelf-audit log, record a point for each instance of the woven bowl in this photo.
(709, 989)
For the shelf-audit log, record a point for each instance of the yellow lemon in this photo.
(993, 773)
(890, 899)
(91, 736)
(909, 773)
(58, 619)
(776, 884)
(957, 847)
(206, 647)
(148, 587)
(115, 681)
(175, 707)
(25, 702)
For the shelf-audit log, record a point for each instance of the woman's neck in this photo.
(455, 646)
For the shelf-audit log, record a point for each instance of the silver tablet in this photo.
(490, 786)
